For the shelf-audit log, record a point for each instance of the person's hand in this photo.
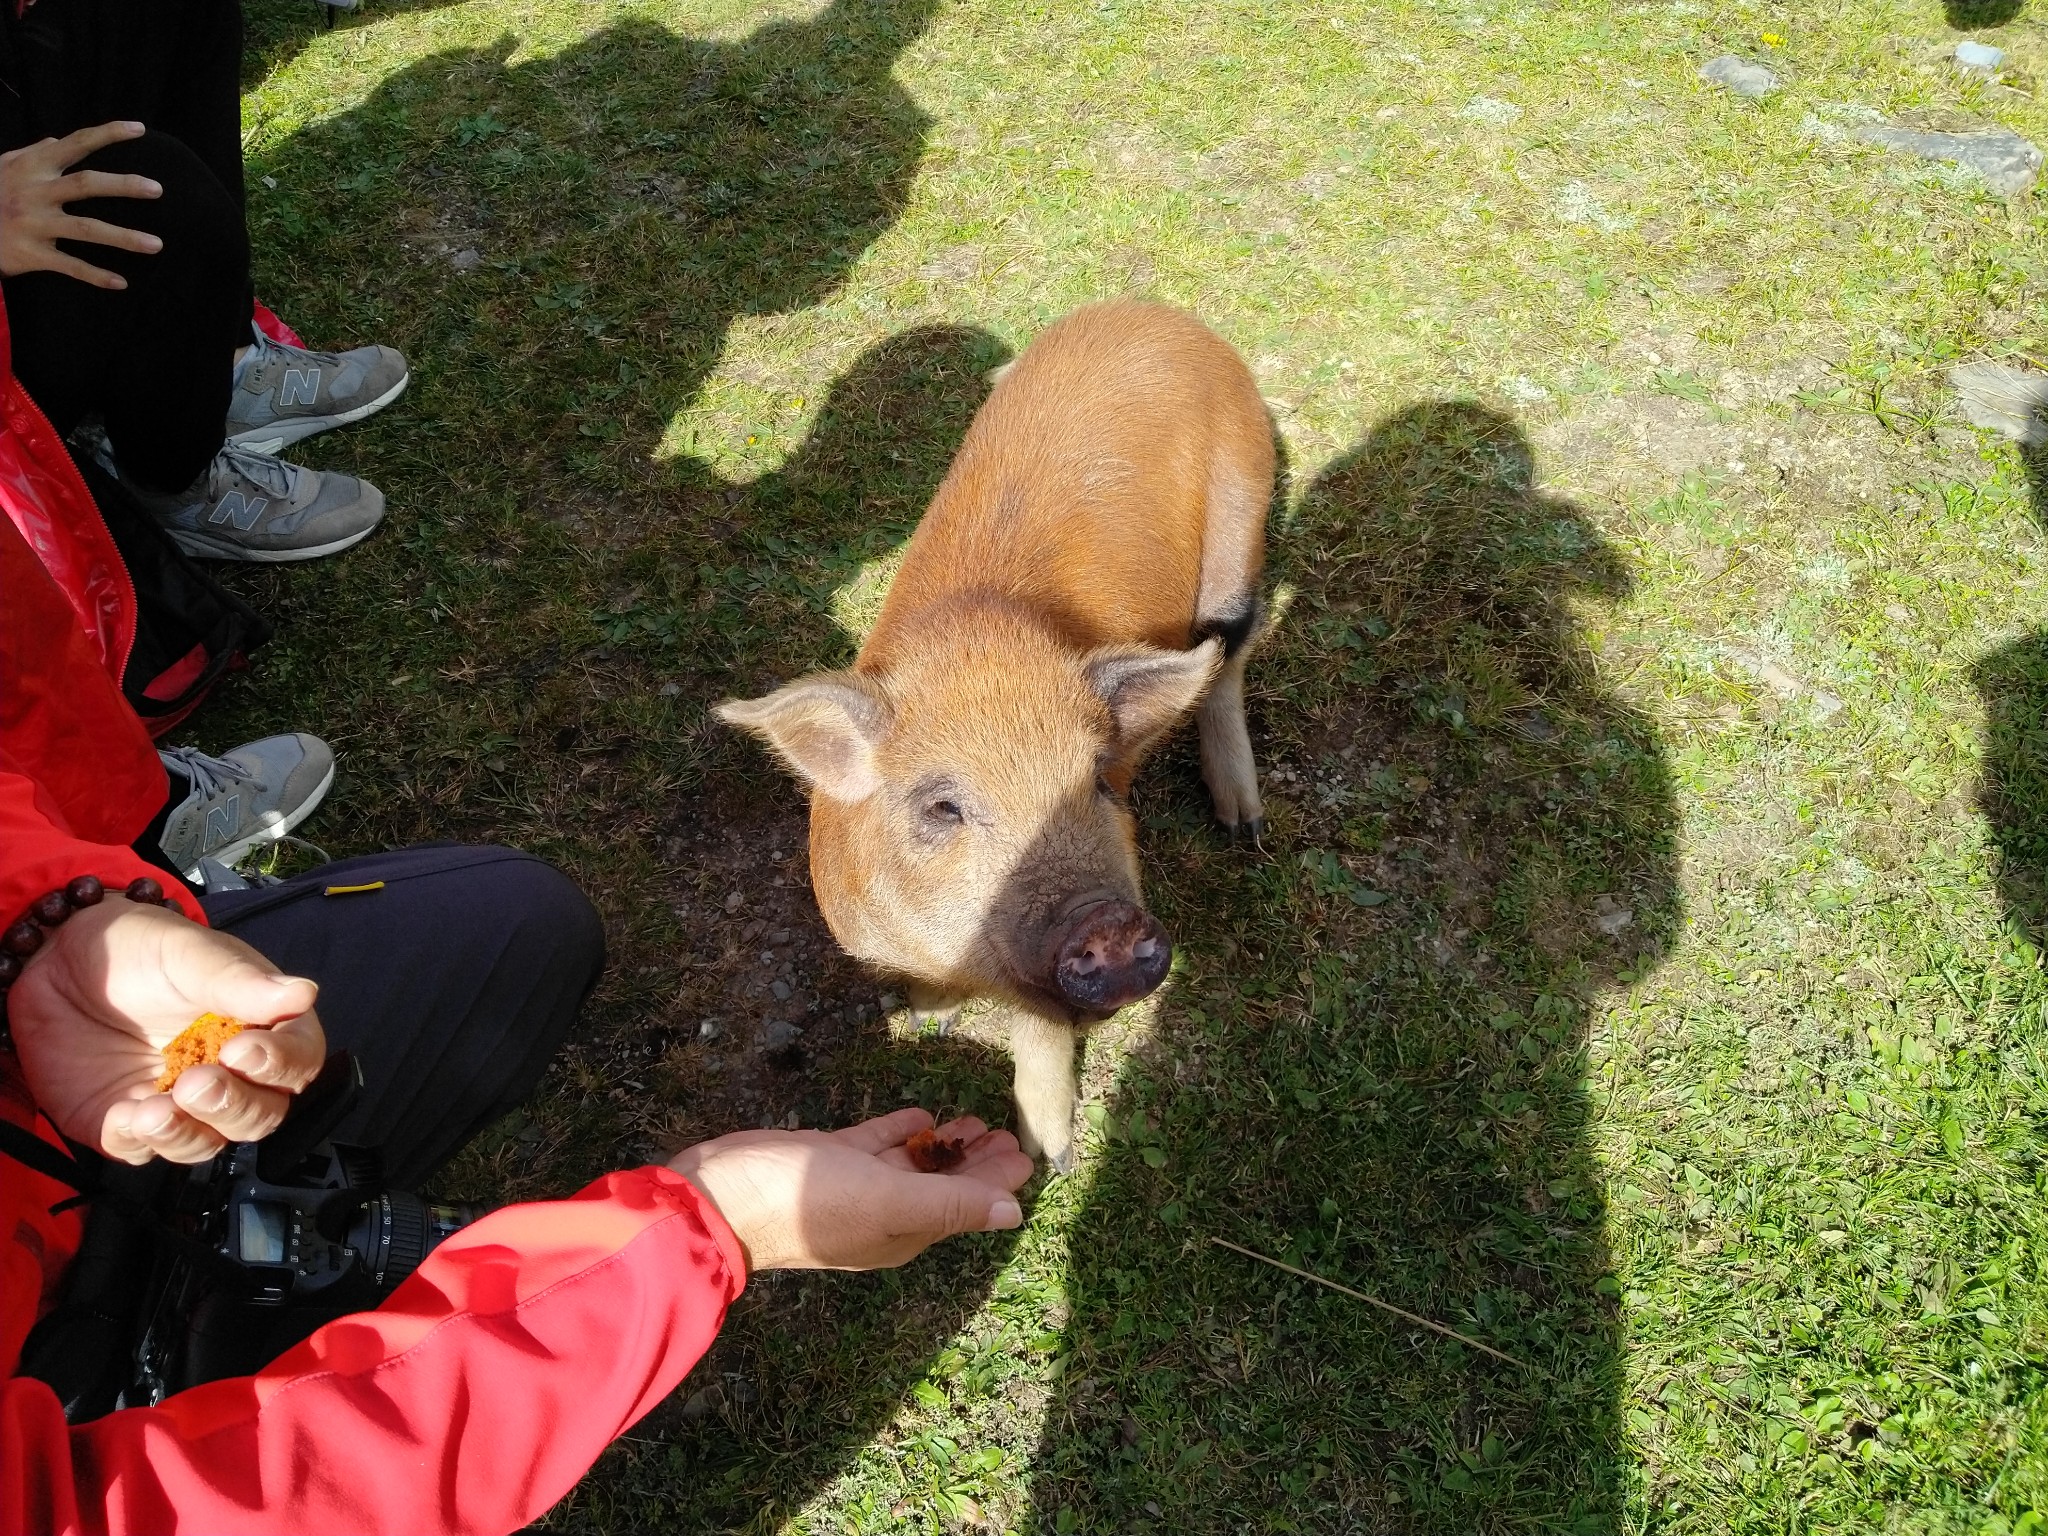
(851, 1199)
(93, 1009)
(34, 189)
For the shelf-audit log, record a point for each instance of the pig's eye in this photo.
(1104, 788)
(943, 813)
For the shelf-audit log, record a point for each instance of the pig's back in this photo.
(1083, 485)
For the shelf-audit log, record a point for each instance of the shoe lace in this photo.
(211, 776)
(273, 474)
(267, 347)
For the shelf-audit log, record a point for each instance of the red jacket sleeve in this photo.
(35, 856)
(471, 1401)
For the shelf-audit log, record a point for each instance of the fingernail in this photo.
(294, 981)
(1005, 1215)
(135, 127)
(244, 1054)
(153, 1119)
(210, 1095)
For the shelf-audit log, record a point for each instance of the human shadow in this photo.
(561, 245)
(1966, 14)
(274, 32)
(808, 1369)
(2012, 683)
(1373, 1065)
(564, 241)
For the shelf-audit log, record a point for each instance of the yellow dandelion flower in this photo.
(1774, 39)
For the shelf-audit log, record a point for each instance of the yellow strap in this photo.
(350, 890)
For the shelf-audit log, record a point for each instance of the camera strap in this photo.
(30, 1150)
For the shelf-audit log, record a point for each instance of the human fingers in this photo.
(997, 1159)
(884, 1131)
(288, 1055)
(221, 974)
(81, 185)
(99, 232)
(936, 1205)
(74, 147)
(50, 259)
(235, 1109)
(136, 1130)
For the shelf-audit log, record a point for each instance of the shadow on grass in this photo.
(810, 1369)
(565, 241)
(274, 32)
(2013, 685)
(1375, 1063)
(1966, 14)
(626, 200)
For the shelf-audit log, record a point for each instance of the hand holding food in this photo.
(856, 1198)
(96, 1007)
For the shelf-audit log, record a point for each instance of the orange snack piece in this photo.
(928, 1154)
(198, 1044)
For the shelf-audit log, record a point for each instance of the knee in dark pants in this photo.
(197, 219)
(549, 946)
(551, 915)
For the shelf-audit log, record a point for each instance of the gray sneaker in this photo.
(249, 506)
(283, 393)
(254, 795)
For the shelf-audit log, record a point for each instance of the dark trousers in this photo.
(155, 360)
(453, 983)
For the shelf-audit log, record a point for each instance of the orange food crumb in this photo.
(199, 1043)
(929, 1154)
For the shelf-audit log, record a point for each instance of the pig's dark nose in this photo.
(1112, 954)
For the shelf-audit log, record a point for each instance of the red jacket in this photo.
(475, 1397)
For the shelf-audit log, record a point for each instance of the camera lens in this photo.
(396, 1230)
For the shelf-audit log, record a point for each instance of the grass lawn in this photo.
(1641, 976)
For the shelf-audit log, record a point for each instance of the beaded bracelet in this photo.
(52, 910)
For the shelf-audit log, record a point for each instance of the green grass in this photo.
(1642, 974)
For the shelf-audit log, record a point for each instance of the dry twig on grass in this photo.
(1374, 1301)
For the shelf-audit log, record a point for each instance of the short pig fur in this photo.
(1087, 572)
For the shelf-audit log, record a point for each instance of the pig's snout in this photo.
(1112, 953)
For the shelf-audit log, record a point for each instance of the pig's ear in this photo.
(1147, 689)
(825, 727)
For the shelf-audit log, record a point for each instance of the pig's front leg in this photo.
(1044, 1052)
(1227, 763)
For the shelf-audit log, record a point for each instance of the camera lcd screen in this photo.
(261, 1234)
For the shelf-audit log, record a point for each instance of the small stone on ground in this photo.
(1975, 55)
(2005, 399)
(1488, 109)
(1741, 76)
(2007, 162)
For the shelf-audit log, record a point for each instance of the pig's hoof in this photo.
(1061, 1161)
(1252, 831)
(938, 1020)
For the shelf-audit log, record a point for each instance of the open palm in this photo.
(94, 1008)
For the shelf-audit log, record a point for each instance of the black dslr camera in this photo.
(312, 1234)
(239, 1259)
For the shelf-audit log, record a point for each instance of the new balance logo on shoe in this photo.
(221, 821)
(237, 509)
(301, 387)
